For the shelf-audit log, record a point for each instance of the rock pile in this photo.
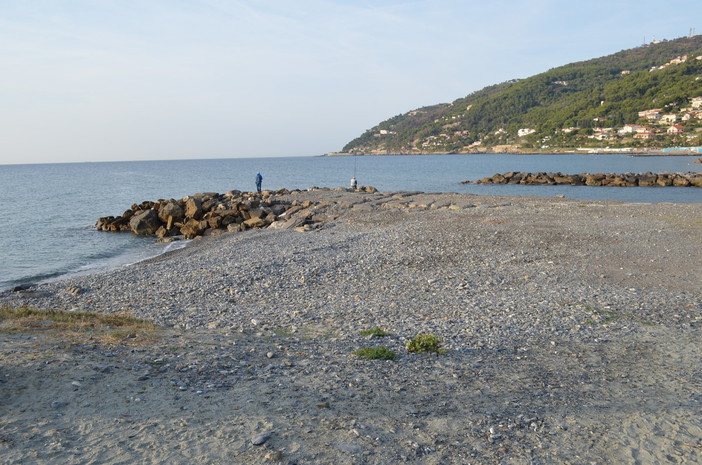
(210, 213)
(597, 179)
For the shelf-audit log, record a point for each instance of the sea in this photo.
(48, 211)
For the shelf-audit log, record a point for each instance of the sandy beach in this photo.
(571, 331)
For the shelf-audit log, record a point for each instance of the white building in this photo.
(669, 118)
(629, 129)
(525, 132)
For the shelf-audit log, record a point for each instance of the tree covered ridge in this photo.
(582, 97)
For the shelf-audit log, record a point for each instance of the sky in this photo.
(113, 80)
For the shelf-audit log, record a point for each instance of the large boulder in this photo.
(257, 213)
(647, 179)
(594, 179)
(214, 221)
(560, 178)
(278, 209)
(498, 178)
(193, 208)
(289, 223)
(664, 180)
(104, 222)
(255, 223)
(236, 227)
(680, 181)
(173, 210)
(210, 204)
(145, 224)
(631, 179)
(193, 228)
(231, 219)
(164, 232)
(516, 178)
(614, 180)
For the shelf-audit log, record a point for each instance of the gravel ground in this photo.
(572, 332)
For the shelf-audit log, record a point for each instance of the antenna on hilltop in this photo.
(692, 32)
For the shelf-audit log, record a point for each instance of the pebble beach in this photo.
(570, 334)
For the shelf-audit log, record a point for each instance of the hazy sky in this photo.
(106, 80)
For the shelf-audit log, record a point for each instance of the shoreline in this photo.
(570, 330)
(25, 281)
(126, 256)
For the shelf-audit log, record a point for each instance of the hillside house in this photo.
(669, 119)
(646, 135)
(696, 102)
(629, 129)
(675, 129)
(525, 132)
(690, 115)
(651, 115)
(602, 133)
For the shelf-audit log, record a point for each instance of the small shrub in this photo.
(425, 343)
(375, 353)
(374, 332)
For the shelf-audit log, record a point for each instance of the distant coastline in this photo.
(634, 152)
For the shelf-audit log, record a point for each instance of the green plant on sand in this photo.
(375, 353)
(425, 343)
(374, 332)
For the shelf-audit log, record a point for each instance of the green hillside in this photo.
(581, 105)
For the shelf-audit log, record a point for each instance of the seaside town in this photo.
(658, 122)
(677, 129)
(670, 127)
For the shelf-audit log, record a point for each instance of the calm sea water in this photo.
(48, 211)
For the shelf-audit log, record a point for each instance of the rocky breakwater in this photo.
(598, 179)
(208, 214)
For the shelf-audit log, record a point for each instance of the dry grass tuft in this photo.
(108, 328)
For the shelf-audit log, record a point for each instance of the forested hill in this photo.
(601, 102)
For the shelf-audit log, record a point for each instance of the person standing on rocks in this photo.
(259, 180)
(354, 184)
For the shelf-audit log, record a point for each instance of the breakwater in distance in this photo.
(596, 179)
